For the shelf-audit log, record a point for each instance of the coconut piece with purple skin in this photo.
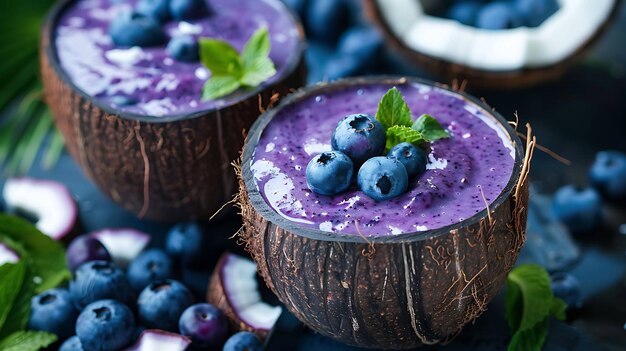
(123, 244)
(8, 255)
(155, 339)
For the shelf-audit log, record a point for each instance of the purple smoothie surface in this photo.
(160, 85)
(479, 155)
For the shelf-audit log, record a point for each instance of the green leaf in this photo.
(46, 257)
(400, 134)
(218, 86)
(258, 46)
(393, 110)
(27, 341)
(11, 278)
(260, 70)
(430, 128)
(558, 308)
(530, 339)
(220, 58)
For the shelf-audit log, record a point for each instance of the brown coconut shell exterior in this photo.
(508, 80)
(395, 292)
(166, 168)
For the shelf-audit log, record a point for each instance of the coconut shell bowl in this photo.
(394, 291)
(169, 168)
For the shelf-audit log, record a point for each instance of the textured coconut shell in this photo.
(394, 292)
(167, 168)
(515, 79)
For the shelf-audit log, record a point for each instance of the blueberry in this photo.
(341, 66)
(327, 19)
(184, 48)
(360, 137)
(608, 174)
(534, 12)
(187, 243)
(97, 280)
(84, 249)
(53, 311)
(183, 10)
(413, 158)
(161, 303)
(566, 287)
(465, 11)
(105, 325)
(382, 178)
(135, 29)
(329, 173)
(72, 344)
(148, 267)
(243, 341)
(498, 15)
(204, 324)
(297, 6)
(579, 209)
(364, 43)
(157, 9)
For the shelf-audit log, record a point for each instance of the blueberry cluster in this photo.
(502, 14)
(358, 142)
(143, 26)
(107, 308)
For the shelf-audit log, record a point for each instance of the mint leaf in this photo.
(20, 310)
(258, 46)
(393, 110)
(258, 71)
(558, 308)
(220, 57)
(430, 128)
(218, 86)
(530, 339)
(27, 341)
(400, 134)
(11, 278)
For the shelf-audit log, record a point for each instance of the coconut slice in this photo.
(234, 290)
(154, 339)
(7, 255)
(123, 244)
(48, 202)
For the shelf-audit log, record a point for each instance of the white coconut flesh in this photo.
(123, 244)
(7, 255)
(556, 39)
(49, 202)
(151, 340)
(238, 275)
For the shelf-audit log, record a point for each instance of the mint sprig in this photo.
(395, 116)
(231, 70)
(529, 302)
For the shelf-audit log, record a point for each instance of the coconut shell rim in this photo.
(48, 33)
(263, 209)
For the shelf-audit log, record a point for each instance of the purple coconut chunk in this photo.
(49, 202)
(154, 339)
(7, 255)
(123, 244)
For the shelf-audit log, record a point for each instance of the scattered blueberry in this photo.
(161, 303)
(84, 249)
(382, 178)
(297, 6)
(204, 324)
(329, 173)
(608, 174)
(157, 9)
(341, 66)
(135, 29)
(97, 280)
(54, 312)
(413, 158)
(72, 344)
(148, 267)
(359, 136)
(186, 242)
(183, 10)
(327, 19)
(579, 209)
(465, 11)
(243, 341)
(105, 325)
(534, 12)
(498, 15)
(364, 43)
(566, 287)
(184, 48)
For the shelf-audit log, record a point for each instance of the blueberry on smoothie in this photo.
(135, 29)
(243, 341)
(413, 158)
(54, 312)
(465, 11)
(608, 174)
(383, 178)
(161, 303)
(157, 9)
(97, 280)
(148, 267)
(183, 10)
(204, 324)
(534, 12)
(184, 48)
(329, 173)
(105, 325)
(360, 137)
(579, 209)
(498, 15)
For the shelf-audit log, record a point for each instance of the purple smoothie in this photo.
(160, 85)
(479, 155)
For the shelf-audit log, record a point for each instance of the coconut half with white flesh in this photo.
(234, 290)
(7, 255)
(123, 244)
(48, 203)
(510, 58)
(154, 339)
